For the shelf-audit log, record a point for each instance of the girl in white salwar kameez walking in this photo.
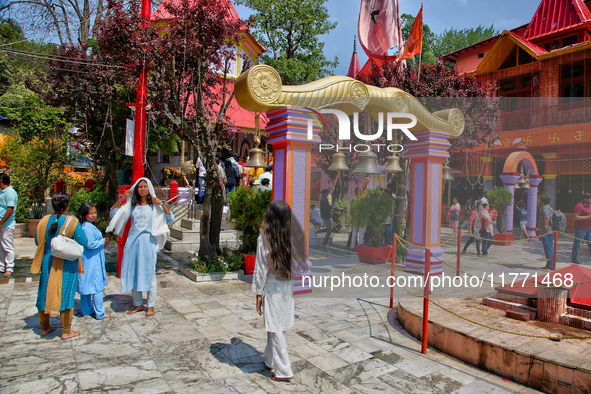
(281, 256)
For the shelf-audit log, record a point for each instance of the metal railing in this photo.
(191, 208)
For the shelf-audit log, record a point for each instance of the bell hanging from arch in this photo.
(367, 164)
(447, 173)
(256, 159)
(393, 164)
(338, 163)
(522, 182)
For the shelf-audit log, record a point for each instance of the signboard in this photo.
(234, 129)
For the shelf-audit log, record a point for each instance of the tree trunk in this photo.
(213, 205)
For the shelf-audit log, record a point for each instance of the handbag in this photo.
(454, 216)
(66, 248)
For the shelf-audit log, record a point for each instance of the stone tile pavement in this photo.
(207, 338)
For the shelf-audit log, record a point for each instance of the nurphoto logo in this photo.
(345, 131)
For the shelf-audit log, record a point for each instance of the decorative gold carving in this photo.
(266, 84)
(187, 168)
(259, 90)
(359, 93)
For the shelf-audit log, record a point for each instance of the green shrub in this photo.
(501, 198)
(227, 260)
(372, 211)
(97, 197)
(247, 208)
(341, 217)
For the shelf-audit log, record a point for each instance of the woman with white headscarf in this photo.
(146, 237)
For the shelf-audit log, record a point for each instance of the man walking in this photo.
(487, 229)
(325, 214)
(582, 215)
(545, 230)
(8, 201)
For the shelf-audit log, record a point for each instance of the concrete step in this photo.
(184, 235)
(174, 244)
(191, 224)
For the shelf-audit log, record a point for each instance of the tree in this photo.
(71, 20)
(39, 150)
(191, 55)
(451, 40)
(437, 45)
(290, 31)
(439, 88)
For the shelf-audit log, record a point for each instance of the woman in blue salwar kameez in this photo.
(147, 236)
(94, 279)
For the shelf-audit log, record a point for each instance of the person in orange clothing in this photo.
(493, 214)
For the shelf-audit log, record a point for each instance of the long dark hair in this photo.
(84, 211)
(59, 202)
(284, 237)
(136, 198)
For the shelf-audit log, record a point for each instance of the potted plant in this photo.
(501, 198)
(247, 209)
(36, 216)
(372, 211)
(21, 218)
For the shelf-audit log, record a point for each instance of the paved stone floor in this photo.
(207, 338)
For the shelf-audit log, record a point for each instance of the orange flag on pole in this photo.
(414, 44)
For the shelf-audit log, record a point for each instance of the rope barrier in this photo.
(573, 237)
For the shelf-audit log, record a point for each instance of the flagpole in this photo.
(420, 61)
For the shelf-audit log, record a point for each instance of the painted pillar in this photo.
(551, 174)
(532, 204)
(487, 173)
(288, 134)
(509, 179)
(427, 156)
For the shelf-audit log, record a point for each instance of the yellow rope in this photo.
(573, 237)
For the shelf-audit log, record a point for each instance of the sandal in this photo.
(273, 377)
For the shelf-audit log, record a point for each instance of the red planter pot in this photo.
(249, 260)
(504, 239)
(370, 255)
(32, 225)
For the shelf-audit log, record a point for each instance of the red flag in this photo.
(414, 44)
(379, 27)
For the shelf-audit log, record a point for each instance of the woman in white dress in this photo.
(281, 257)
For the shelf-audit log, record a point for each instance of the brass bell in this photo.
(447, 173)
(338, 163)
(522, 182)
(367, 164)
(393, 164)
(256, 159)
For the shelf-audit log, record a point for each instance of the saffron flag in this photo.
(379, 27)
(414, 44)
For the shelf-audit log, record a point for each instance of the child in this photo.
(281, 256)
(523, 218)
(493, 215)
(94, 279)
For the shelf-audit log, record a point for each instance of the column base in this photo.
(532, 233)
(415, 261)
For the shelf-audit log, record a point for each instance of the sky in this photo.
(438, 14)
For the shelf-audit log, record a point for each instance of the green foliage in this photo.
(247, 208)
(501, 198)
(290, 31)
(340, 215)
(451, 40)
(161, 138)
(437, 45)
(372, 211)
(227, 260)
(97, 197)
(401, 251)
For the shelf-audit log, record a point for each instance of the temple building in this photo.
(543, 75)
(242, 122)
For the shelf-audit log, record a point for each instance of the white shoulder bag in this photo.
(66, 248)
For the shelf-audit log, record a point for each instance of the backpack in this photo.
(558, 221)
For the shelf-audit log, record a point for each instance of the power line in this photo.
(46, 57)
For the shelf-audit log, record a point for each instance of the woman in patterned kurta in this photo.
(281, 256)
(60, 203)
(148, 231)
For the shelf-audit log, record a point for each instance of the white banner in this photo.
(129, 137)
